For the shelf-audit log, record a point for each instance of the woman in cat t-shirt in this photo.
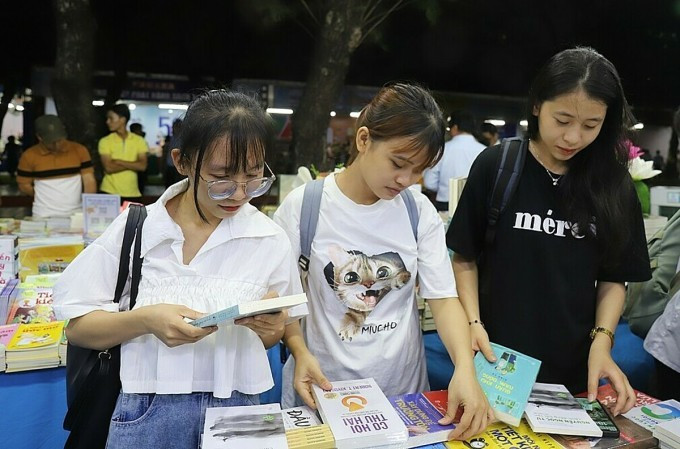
(365, 263)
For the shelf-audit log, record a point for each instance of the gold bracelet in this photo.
(604, 330)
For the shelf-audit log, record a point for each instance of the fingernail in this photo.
(591, 398)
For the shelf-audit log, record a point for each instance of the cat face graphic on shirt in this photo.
(361, 282)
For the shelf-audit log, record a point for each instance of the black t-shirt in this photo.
(541, 292)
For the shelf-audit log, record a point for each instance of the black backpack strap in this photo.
(509, 169)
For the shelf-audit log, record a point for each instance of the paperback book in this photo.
(421, 418)
(668, 433)
(256, 427)
(649, 416)
(507, 382)
(32, 305)
(631, 436)
(251, 308)
(607, 396)
(301, 417)
(315, 437)
(552, 409)
(34, 346)
(360, 415)
(500, 435)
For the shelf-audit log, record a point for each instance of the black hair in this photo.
(464, 121)
(597, 183)
(488, 128)
(404, 110)
(217, 114)
(136, 127)
(121, 110)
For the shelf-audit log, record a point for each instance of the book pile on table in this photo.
(34, 346)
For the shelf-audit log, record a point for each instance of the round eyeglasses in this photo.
(223, 189)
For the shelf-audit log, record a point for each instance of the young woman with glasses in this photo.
(205, 248)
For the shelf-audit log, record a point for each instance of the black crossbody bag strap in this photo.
(89, 371)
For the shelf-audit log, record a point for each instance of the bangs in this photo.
(430, 140)
(240, 153)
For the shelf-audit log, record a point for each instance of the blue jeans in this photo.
(168, 421)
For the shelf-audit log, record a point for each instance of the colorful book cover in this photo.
(503, 436)
(256, 426)
(649, 416)
(421, 419)
(32, 305)
(552, 409)
(359, 414)
(99, 211)
(300, 417)
(47, 255)
(6, 333)
(507, 382)
(31, 336)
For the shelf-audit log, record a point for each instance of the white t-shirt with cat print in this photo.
(363, 317)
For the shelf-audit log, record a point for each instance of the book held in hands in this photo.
(251, 308)
(360, 415)
(507, 382)
(421, 412)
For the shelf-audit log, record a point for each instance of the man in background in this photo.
(56, 171)
(459, 154)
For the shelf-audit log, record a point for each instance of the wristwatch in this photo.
(604, 330)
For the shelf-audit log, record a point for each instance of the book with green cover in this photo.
(507, 382)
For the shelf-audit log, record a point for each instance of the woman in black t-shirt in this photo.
(570, 237)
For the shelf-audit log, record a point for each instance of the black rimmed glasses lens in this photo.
(223, 189)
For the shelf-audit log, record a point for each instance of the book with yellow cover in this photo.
(31, 336)
(48, 254)
(502, 436)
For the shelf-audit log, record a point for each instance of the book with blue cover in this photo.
(251, 308)
(507, 382)
(420, 414)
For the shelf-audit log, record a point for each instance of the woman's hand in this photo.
(480, 341)
(307, 372)
(601, 365)
(166, 322)
(465, 392)
(268, 326)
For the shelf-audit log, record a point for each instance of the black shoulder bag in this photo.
(92, 376)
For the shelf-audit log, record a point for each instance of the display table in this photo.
(33, 403)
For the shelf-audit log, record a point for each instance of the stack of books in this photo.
(34, 346)
(668, 434)
(359, 415)
(304, 429)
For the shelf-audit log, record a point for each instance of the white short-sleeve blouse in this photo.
(245, 257)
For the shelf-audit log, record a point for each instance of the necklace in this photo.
(554, 179)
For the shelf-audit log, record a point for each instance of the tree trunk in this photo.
(339, 35)
(72, 81)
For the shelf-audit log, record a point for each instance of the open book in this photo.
(250, 308)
